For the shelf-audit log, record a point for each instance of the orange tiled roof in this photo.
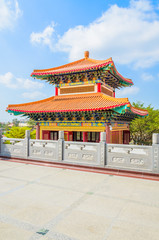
(139, 111)
(80, 102)
(82, 64)
(77, 66)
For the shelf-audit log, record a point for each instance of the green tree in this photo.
(4, 126)
(141, 129)
(15, 122)
(19, 132)
(31, 123)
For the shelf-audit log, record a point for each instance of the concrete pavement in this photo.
(47, 203)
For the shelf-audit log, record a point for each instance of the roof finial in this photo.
(86, 54)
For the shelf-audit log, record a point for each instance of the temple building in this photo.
(84, 104)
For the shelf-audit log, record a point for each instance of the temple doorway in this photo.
(93, 137)
(50, 135)
(126, 137)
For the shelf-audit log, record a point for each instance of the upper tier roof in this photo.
(81, 102)
(76, 66)
(85, 64)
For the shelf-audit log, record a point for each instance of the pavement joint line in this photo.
(71, 207)
(19, 187)
(59, 236)
(54, 235)
(52, 223)
(131, 201)
(21, 224)
(59, 187)
(19, 179)
(12, 190)
(60, 170)
(66, 212)
(114, 220)
(32, 228)
(36, 181)
(6, 169)
(55, 186)
(9, 168)
(31, 182)
(122, 173)
(98, 185)
(15, 179)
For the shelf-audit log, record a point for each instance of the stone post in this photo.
(155, 138)
(27, 138)
(61, 146)
(103, 149)
(0, 140)
(155, 152)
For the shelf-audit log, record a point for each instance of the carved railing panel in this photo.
(129, 157)
(43, 149)
(12, 147)
(88, 153)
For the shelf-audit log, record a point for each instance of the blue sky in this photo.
(41, 34)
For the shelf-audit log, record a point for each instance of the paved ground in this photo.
(75, 205)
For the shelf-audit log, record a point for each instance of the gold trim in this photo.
(71, 129)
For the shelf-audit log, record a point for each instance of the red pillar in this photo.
(56, 91)
(68, 139)
(114, 94)
(84, 136)
(98, 87)
(107, 133)
(37, 131)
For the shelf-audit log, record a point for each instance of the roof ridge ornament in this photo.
(86, 54)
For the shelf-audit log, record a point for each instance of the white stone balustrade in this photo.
(117, 156)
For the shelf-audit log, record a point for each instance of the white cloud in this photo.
(32, 95)
(44, 37)
(129, 35)
(147, 77)
(18, 11)
(10, 81)
(142, 5)
(127, 91)
(9, 13)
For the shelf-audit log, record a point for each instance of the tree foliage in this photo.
(15, 122)
(31, 123)
(19, 132)
(141, 129)
(4, 126)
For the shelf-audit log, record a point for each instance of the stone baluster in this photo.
(61, 145)
(155, 151)
(103, 149)
(27, 140)
(0, 140)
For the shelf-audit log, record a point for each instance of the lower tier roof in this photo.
(72, 103)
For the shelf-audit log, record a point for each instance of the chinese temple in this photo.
(84, 104)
